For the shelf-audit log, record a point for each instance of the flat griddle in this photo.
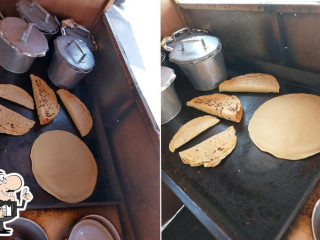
(15, 150)
(251, 194)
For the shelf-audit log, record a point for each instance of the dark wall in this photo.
(284, 35)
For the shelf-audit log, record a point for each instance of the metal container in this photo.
(33, 12)
(72, 61)
(170, 103)
(169, 42)
(24, 228)
(164, 60)
(201, 60)
(20, 44)
(70, 28)
(315, 221)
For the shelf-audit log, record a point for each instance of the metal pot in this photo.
(169, 42)
(164, 60)
(70, 28)
(201, 60)
(72, 61)
(33, 12)
(20, 44)
(170, 103)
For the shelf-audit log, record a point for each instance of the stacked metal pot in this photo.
(24, 39)
(200, 58)
(20, 44)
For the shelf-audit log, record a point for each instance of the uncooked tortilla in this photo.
(64, 166)
(287, 126)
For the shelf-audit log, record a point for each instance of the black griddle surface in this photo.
(250, 194)
(15, 150)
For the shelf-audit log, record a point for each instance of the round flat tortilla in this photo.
(287, 126)
(64, 166)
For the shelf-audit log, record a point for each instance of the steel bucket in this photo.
(207, 74)
(170, 103)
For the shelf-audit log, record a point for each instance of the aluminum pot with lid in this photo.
(170, 103)
(33, 12)
(70, 28)
(72, 61)
(201, 59)
(169, 42)
(20, 44)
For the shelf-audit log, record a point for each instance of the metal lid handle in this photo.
(82, 29)
(186, 29)
(42, 9)
(192, 40)
(26, 33)
(79, 47)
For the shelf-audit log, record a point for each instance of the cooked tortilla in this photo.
(217, 104)
(253, 82)
(190, 130)
(17, 95)
(287, 126)
(64, 166)
(46, 100)
(211, 151)
(77, 110)
(13, 123)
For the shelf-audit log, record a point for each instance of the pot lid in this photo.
(169, 42)
(167, 77)
(70, 28)
(195, 49)
(75, 53)
(23, 36)
(33, 12)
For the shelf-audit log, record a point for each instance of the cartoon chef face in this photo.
(9, 185)
(10, 207)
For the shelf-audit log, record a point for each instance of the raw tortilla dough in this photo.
(64, 166)
(287, 126)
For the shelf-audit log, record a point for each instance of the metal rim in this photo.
(19, 51)
(34, 223)
(28, 54)
(61, 59)
(312, 219)
(27, 19)
(36, 25)
(198, 62)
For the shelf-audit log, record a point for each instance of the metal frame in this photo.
(214, 228)
(259, 6)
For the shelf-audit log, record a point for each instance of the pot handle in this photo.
(26, 33)
(82, 29)
(192, 40)
(79, 47)
(186, 29)
(42, 10)
(56, 19)
(1, 15)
